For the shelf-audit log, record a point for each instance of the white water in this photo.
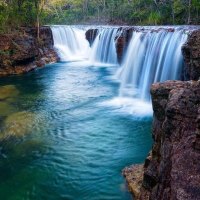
(151, 57)
(70, 43)
(103, 49)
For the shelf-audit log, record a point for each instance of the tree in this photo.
(17, 13)
(39, 6)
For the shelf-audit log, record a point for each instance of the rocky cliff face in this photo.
(191, 53)
(22, 52)
(172, 169)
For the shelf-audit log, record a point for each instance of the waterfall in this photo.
(70, 43)
(152, 56)
(104, 49)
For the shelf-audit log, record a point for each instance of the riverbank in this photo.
(21, 52)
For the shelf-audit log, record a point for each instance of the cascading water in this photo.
(152, 56)
(70, 43)
(104, 49)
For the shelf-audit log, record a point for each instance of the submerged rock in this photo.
(18, 124)
(27, 148)
(6, 109)
(8, 91)
(172, 171)
(8, 94)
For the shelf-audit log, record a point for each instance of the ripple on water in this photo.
(67, 143)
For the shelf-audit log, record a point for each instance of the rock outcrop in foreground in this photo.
(172, 170)
(22, 52)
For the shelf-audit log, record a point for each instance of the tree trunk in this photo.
(38, 26)
(189, 11)
(173, 14)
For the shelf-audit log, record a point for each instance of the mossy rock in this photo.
(19, 124)
(6, 109)
(8, 91)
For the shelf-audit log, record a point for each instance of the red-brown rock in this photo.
(191, 53)
(21, 52)
(90, 35)
(122, 41)
(172, 172)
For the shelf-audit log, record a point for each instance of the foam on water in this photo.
(153, 55)
(133, 106)
(70, 43)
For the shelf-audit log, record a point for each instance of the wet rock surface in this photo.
(18, 124)
(91, 35)
(122, 42)
(191, 53)
(22, 52)
(171, 171)
(134, 176)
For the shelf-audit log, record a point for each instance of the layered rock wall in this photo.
(22, 52)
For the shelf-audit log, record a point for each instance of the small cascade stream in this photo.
(104, 49)
(70, 43)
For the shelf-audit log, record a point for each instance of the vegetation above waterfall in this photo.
(16, 13)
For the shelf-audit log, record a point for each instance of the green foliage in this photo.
(4, 53)
(16, 13)
(154, 18)
(7, 52)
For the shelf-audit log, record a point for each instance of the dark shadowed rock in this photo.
(22, 52)
(91, 35)
(122, 41)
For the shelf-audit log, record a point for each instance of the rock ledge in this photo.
(21, 52)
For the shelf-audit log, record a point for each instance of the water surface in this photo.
(66, 143)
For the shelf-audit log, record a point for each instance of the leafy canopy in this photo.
(17, 13)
